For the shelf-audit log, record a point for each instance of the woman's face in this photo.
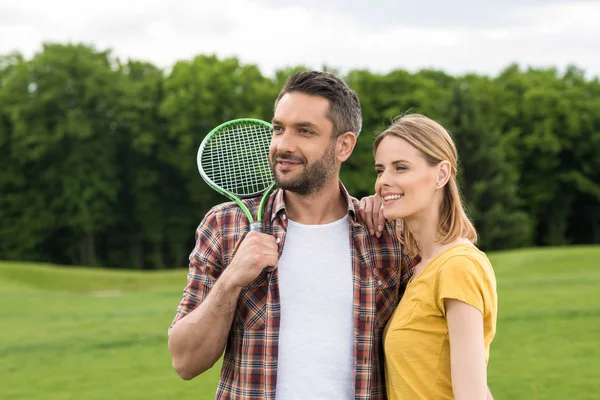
(405, 181)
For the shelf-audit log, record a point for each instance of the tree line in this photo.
(98, 155)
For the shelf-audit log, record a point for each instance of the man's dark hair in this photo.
(344, 107)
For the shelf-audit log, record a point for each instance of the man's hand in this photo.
(371, 214)
(256, 252)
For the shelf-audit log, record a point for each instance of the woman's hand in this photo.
(371, 213)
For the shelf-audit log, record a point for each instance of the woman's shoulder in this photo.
(465, 255)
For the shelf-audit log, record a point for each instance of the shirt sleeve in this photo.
(462, 278)
(205, 265)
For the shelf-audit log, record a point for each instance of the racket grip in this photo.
(256, 226)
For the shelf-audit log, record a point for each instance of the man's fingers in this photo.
(272, 262)
(262, 240)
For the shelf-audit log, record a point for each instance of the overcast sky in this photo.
(380, 35)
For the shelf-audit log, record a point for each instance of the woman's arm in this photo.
(467, 351)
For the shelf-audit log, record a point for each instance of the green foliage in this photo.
(487, 181)
(61, 105)
(98, 155)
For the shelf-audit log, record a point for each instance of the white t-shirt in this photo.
(316, 337)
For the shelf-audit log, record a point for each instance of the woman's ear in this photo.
(443, 173)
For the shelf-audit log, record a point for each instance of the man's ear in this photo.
(345, 145)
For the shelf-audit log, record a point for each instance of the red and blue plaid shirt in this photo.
(249, 371)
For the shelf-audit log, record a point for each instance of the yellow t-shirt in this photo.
(416, 344)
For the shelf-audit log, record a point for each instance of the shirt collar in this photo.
(279, 204)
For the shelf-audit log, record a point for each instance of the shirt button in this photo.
(278, 240)
(380, 283)
(273, 215)
(284, 217)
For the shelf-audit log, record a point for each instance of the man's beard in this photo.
(314, 176)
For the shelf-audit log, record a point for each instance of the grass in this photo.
(71, 333)
(79, 333)
(549, 324)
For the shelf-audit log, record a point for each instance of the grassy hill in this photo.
(80, 333)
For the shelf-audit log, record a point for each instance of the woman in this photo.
(438, 339)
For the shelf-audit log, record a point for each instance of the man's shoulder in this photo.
(389, 229)
(231, 206)
(355, 202)
(232, 210)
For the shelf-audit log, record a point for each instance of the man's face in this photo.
(303, 150)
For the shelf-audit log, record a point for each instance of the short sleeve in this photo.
(204, 265)
(462, 278)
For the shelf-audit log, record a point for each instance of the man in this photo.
(299, 309)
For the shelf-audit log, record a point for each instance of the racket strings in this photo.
(236, 159)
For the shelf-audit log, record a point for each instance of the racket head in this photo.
(233, 158)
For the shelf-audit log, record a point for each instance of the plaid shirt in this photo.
(249, 371)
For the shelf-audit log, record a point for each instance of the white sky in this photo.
(380, 35)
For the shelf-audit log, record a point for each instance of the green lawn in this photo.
(71, 333)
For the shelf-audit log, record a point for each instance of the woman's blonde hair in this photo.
(436, 145)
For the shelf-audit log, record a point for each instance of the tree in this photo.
(62, 108)
(24, 220)
(143, 199)
(98, 156)
(488, 182)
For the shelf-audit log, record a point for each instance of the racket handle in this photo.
(256, 226)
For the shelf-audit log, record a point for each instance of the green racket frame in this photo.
(255, 225)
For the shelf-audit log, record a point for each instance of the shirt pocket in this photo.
(251, 309)
(406, 309)
(386, 293)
